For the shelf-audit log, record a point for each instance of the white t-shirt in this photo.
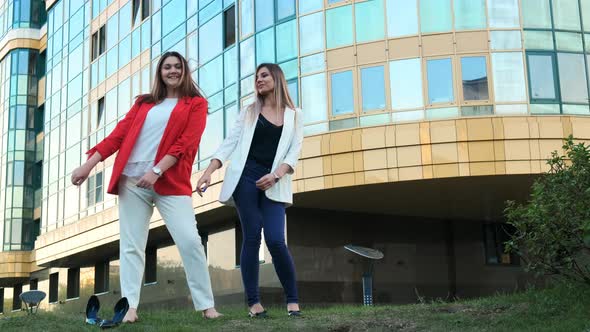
(144, 151)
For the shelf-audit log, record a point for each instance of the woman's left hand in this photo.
(265, 182)
(148, 180)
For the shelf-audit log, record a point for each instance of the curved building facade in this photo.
(422, 117)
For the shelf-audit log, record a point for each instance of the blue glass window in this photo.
(508, 73)
(124, 20)
(286, 41)
(572, 78)
(294, 91)
(125, 51)
(542, 77)
(342, 93)
(247, 59)
(339, 30)
(369, 21)
(230, 66)
(307, 6)
(474, 76)
(265, 14)
(503, 13)
(440, 81)
(470, 14)
(175, 14)
(265, 46)
(373, 88)
(247, 19)
(112, 31)
(566, 14)
(313, 98)
(210, 76)
(402, 17)
(157, 26)
(435, 16)
(285, 9)
(211, 39)
(313, 63)
(310, 41)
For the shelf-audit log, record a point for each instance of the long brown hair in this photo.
(281, 91)
(187, 87)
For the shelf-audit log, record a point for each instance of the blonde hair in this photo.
(281, 92)
(187, 87)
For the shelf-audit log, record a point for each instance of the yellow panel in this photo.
(443, 131)
(407, 134)
(480, 129)
(515, 127)
(373, 138)
(482, 168)
(343, 180)
(444, 153)
(341, 142)
(463, 149)
(371, 52)
(357, 140)
(314, 184)
(426, 152)
(342, 163)
(358, 161)
(533, 127)
(410, 173)
(326, 141)
(535, 149)
(390, 136)
(546, 146)
(517, 150)
(500, 167)
(461, 126)
(327, 163)
(313, 167)
(375, 159)
(311, 147)
(472, 41)
(464, 169)
(550, 127)
(567, 126)
(427, 172)
(359, 178)
(409, 156)
(328, 182)
(445, 171)
(404, 48)
(518, 167)
(441, 44)
(379, 176)
(391, 157)
(424, 133)
(340, 58)
(498, 126)
(481, 151)
(499, 151)
(581, 128)
(393, 174)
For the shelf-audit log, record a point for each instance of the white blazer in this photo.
(236, 147)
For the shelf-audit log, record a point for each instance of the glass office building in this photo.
(421, 118)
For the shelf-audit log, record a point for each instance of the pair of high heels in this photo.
(93, 306)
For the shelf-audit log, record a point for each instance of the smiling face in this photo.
(265, 84)
(171, 72)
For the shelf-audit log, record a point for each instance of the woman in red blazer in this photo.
(157, 142)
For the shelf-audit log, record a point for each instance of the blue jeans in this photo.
(257, 212)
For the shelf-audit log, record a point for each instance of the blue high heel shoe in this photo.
(121, 308)
(92, 308)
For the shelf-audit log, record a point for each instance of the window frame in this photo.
(224, 27)
(490, 82)
(497, 227)
(355, 91)
(556, 84)
(386, 88)
(425, 80)
(73, 284)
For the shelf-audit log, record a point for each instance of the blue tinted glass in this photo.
(211, 10)
(286, 41)
(191, 8)
(435, 15)
(285, 8)
(406, 84)
(157, 26)
(124, 20)
(75, 62)
(112, 61)
(339, 30)
(265, 47)
(210, 39)
(247, 19)
(470, 14)
(230, 66)
(173, 38)
(342, 93)
(542, 79)
(369, 21)
(294, 91)
(311, 41)
(312, 63)
(373, 88)
(124, 51)
(135, 43)
(175, 14)
(265, 14)
(210, 78)
(212, 136)
(290, 69)
(145, 35)
(76, 24)
(440, 81)
(475, 78)
(112, 31)
(247, 59)
(306, 6)
(314, 97)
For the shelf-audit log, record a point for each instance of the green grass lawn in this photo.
(562, 308)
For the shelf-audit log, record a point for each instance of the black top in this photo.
(265, 142)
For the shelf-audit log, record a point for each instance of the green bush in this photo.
(552, 230)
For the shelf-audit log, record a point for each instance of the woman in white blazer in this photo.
(263, 149)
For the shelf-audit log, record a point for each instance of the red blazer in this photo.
(181, 139)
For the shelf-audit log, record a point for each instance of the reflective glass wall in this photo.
(21, 14)
(348, 64)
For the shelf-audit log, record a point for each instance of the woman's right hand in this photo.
(80, 174)
(203, 183)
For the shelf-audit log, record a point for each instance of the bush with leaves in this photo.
(552, 230)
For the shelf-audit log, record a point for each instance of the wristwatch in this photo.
(157, 170)
(277, 178)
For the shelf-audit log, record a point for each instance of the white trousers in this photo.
(135, 211)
